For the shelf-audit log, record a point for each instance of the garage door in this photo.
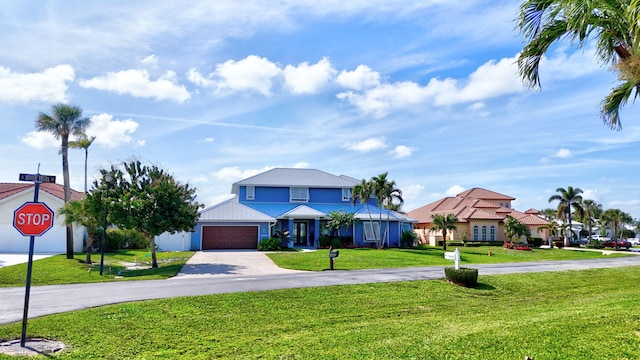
(229, 237)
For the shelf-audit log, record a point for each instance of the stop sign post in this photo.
(33, 219)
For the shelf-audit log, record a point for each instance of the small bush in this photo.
(324, 241)
(536, 242)
(269, 244)
(595, 244)
(124, 239)
(467, 277)
(336, 243)
(455, 243)
(408, 238)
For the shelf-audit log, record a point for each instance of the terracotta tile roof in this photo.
(480, 193)
(472, 207)
(9, 189)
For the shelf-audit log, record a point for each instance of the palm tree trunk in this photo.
(67, 190)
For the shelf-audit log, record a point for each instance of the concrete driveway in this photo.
(220, 263)
(13, 259)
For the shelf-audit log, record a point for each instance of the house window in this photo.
(251, 192)
(492, 233)
(346, 194)
(475, 233)
(484, 233)
(371, 231)
(298, 194)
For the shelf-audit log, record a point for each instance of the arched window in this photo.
(475, 233)
(484, 233)
(493, 233)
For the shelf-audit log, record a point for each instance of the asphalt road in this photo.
(45, 300)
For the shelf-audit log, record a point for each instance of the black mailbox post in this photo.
(332, 255)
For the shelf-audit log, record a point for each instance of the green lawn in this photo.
(352, 259)
(592, 314)
(58, 270)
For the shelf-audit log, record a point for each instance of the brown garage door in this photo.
(229, 237)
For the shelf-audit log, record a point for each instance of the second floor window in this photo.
(298, 194)
(346, 194)
(251, 192)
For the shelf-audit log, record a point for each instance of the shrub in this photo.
(595, 244)
(455, 243)
(269, 244)
(408, 238)
(124, 239)
(467, 277)
(535, 242)
(324, 241)
(336, 243)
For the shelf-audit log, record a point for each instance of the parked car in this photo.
(621, 243)
(634, 241)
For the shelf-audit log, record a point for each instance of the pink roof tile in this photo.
(10, 189)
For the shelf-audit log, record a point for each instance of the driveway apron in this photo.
(220, 263)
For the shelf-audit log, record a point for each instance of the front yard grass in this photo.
(353, 259)
(58, 270)
(591, 314)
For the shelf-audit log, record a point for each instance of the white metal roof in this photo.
(232, 211)
(286, 177)
(304, 211)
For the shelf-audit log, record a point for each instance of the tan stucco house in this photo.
(481, 214)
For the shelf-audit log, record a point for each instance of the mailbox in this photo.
(332, 255)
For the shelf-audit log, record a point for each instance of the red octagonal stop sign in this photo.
(33, 218)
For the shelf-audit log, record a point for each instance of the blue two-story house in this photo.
(295, 202)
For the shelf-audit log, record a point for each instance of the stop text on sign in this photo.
(33, 219)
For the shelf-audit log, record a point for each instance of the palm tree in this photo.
(591, 210)
(363, 192)
(568, 199)
(616, 218)
(83, 212)
(386, 192)
(552, 228)
(615, 27)
(443, 223)
(83, 143)
(549, 214)
(63, 121)
(513, 227)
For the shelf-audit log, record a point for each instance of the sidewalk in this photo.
(13, 259)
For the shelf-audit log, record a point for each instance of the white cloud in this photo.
(150, 60)
(366, 145)
(40, 140)
(234, 173)
(112, 133)
(301, 165)
(49, 85)
(454, 190)
(563, 154)
(308, 79)
(359, 79)
(492, 79)
(138, 84)
(594, 195)
(209, 139)
(559, 66)
(543, 160)
(401, 151)
(195, 77)
(252, 73)
(411, 192)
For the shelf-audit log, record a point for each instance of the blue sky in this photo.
(216, 91)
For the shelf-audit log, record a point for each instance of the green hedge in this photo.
(464, 276)
(270, 244)
(123, 239)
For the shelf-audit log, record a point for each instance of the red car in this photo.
(621, 244)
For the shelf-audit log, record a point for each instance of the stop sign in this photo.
(33, 218)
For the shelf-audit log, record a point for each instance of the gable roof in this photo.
(232, 211)
(286, 177)
(484, 194)
(474, 204)
(8, 190)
